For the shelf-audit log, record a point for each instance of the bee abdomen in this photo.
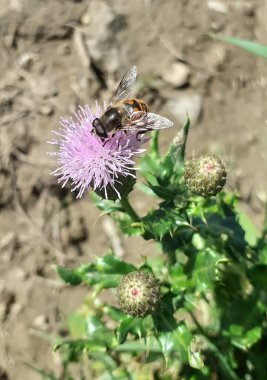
(135, 105)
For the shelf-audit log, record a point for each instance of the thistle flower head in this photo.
(205, 175)
(86, 161)
(138, 294)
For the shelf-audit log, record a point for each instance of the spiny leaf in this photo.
(70, 276)
(130, 325)
(174, 159)
(105, 273)
(104, 204)
(165, 220)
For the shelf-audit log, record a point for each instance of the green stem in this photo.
(225, 367)
(264, 232)
(223, 364)
(154, 145)
(129, 210)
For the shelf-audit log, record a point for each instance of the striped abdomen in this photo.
(134, 105)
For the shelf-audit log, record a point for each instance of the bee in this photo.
(127, 114)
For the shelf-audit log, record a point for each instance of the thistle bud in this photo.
(138, 294)
(205, 175)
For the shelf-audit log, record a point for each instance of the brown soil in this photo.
(58, 54)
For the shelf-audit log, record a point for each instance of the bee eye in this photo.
(99, 128)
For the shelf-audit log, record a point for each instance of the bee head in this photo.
(99, 128)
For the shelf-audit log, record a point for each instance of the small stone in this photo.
(26, 60)
(86, 19)
(217, 6)
(178, 75)
(186, 104)
(246, 8)
(41, 322)
(216, 57)
(46, 110)
(16, 310)
(101, 40)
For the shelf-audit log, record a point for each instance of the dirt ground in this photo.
(57, 54)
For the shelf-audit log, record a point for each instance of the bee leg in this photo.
(105, 140)
(140, 133)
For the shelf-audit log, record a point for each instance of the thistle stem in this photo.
(129, 209)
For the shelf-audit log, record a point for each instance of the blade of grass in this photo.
(251, 47)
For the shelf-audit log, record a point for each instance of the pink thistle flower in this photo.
(88, 162)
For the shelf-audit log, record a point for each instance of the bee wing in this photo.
(125, 86)
(143, 121)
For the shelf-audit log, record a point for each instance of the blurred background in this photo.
(58, 54)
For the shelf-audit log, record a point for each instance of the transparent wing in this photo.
(143, 121)
(125, 86)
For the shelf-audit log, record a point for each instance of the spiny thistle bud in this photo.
(138, 294)
(205, 175)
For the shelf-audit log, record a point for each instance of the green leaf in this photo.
(162, 192)
(218, 225)
(176, 342)
(263, 253)
(126, 225)
(174, 159)
(203, 269)
(70, 276)
(149, 165)
(97, 331)
(154, 145)
(167, 343)
(105, 273)
(178, 278)
(72, 348)
(110, 264)
(129, 325)
(104, 204)
(243, 339)
(164, 319)
(195, 359)
(251, 233)
(258, 276)
(165, 220)
(113, 313)
(76, 325)
(247, 312)
(100, 280)
(151, 345)
(251, 47)
(182, 338)
(145, 189)
(106, 360)
(231, 279)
